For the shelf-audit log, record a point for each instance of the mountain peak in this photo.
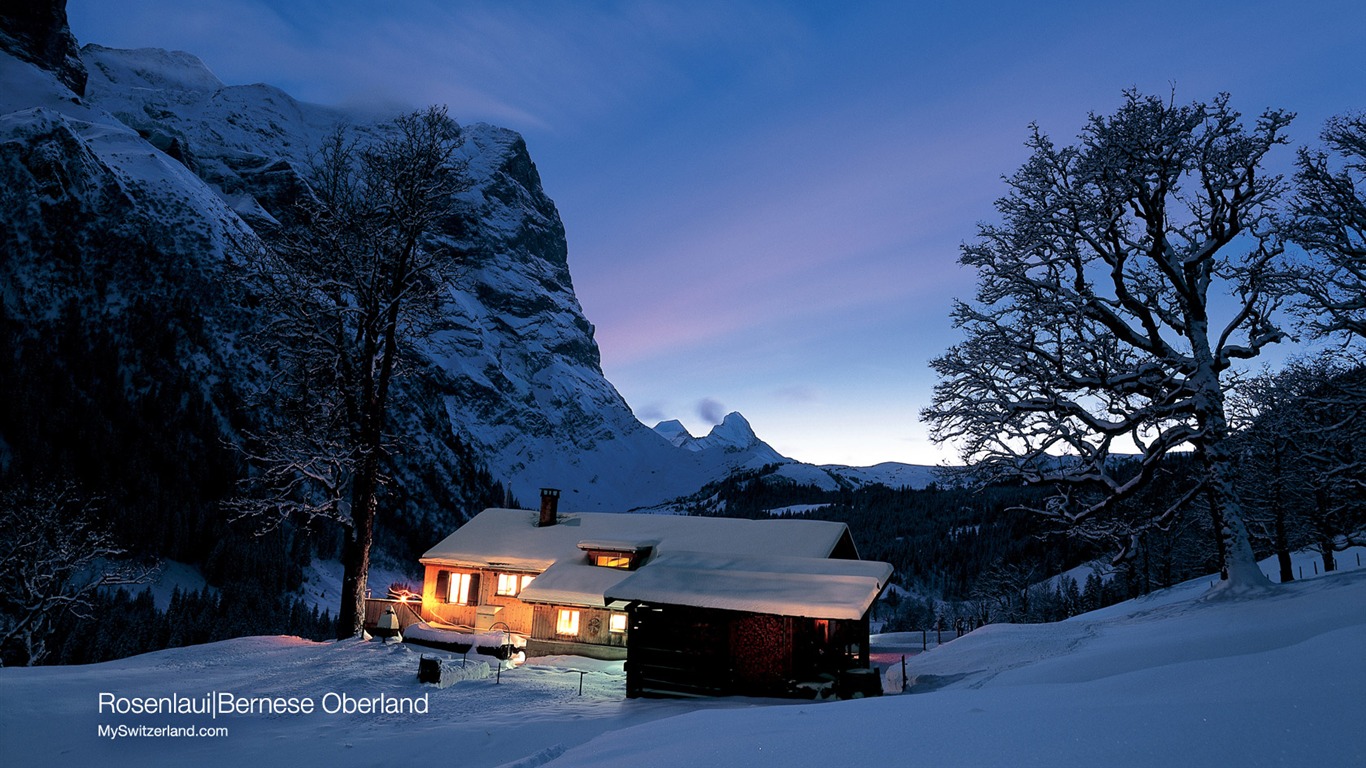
(734, 431)
(732, 435)
(677, 434)
(156, 69)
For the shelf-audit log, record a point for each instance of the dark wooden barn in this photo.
(756, 626)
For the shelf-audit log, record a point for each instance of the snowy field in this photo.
(1181, 678)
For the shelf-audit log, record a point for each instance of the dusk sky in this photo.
(764, 201)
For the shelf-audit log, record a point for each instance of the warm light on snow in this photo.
(1180, 678)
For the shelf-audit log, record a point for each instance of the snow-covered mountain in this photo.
(514, 369)
(513, 372)
(732, 435)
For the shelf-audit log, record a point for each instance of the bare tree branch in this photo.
(1093, 335)
(351, 279)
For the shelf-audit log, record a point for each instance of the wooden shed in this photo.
(704, 624)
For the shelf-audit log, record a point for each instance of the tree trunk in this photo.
(1283, 549)
(1278, 507)
(356, 551)
(1326, 539)
(1220, 546)
(1330, 563)
(1240, 565)
(1239, 568)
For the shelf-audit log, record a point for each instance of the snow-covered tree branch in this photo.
(54, 554)
(1302, 468)
(1330, 223)
(1127, 273)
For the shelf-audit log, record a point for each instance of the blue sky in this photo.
(764, 201)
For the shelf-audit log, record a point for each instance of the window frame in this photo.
(567, 622)
(613, 560)
(512, 584)
(459, 585)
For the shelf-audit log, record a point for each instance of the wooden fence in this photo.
(408, 611)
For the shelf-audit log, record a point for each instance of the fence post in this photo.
(903, 673)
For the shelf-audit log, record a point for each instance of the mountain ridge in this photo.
(513, 371)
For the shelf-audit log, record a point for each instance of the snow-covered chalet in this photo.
(696, 605)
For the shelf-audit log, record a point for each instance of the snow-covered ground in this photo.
(1184, 677)
(1191, 679)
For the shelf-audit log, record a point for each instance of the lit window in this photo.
(613, 561)
(460, 591)
(525, 581)
(617, 624)
(508, 584)
(568, 623)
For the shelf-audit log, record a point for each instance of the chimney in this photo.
(550, 506)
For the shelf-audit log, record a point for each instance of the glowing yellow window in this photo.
(511, 584)
(568, 623)
(617, 624)
(613, 561)
(460, 589)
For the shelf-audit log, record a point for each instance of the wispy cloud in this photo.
(553, 66)
(710, 410)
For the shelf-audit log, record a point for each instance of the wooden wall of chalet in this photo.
(593, 626)
(515, 613)
(686, 651)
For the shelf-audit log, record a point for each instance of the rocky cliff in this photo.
(160, 153)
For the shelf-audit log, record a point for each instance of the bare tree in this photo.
(54, 555)
(1097, 329)
(1329, 221)
(1265, 413)
(353, 276)
(1302, 466)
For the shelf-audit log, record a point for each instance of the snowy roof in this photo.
(783, 586)
(618, 545)
(574, 582)
(510, 538)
